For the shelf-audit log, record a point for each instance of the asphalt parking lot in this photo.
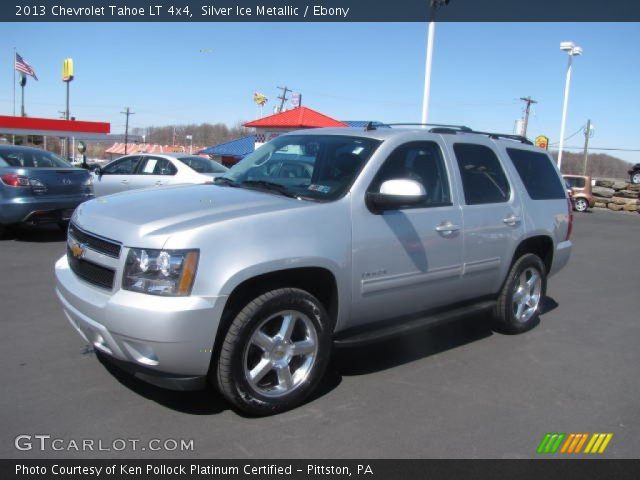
(455, 391)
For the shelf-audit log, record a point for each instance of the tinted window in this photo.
(157, 166)
(419, 161)
(538, 174)
(483, 179)
(310, 166)
(124, 166)
(203, 165)
(31, 158)
(575, 182)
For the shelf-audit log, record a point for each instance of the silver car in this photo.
(322, 236)
(154, 170)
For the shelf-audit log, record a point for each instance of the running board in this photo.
(402, 326)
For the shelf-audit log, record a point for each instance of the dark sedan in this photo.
(37, 186)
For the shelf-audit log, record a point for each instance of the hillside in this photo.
(600, 165)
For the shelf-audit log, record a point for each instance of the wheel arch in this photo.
(540, 245)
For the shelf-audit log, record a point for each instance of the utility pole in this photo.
(527, 109)
(588, 133)
(283, 97)
(127, 112)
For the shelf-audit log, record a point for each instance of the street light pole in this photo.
(572, 50)
(434, 4)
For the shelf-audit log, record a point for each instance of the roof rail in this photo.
(461, 128)
(496, 136)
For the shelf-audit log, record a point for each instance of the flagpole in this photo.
(13, 137)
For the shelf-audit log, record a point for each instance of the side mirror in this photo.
(96, 170)
(397, 193)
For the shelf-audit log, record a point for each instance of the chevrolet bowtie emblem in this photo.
(77, 250)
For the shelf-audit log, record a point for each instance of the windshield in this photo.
(319, 167)
(203, 165)
(31, 158)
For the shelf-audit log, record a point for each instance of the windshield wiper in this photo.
(225, 181)
(276, 187)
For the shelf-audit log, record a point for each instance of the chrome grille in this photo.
(105, 246)
(91, 272)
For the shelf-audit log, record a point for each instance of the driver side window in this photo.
(422, 162)
(125, 166)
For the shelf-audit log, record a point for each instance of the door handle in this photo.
(124, 181)
(159, 182)
(447, 227)
(512, 220)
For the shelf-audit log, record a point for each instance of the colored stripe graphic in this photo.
(598, 443)
(550, 442)
(573, 443)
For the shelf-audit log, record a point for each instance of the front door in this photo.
(410, 259)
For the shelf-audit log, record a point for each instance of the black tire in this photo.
(3, 229)
(504, 317)
(581, 205)
(231, 379)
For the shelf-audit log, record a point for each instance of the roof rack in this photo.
(460, 128)
(496, 136)
(451, 129)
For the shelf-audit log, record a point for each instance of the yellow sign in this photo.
(542, 142)
(67, 70)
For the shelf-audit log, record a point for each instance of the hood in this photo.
(155, 214)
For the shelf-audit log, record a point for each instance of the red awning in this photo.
(301, 117)
(53, 127)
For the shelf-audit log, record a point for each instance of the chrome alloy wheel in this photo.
(581, 205)
(527, 293)
(281, 353)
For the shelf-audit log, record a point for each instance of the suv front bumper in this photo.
(166, 341)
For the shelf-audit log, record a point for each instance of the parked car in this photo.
(582, 195)
(154, 170)
(247, 283)
(37, 187)
(634, 174)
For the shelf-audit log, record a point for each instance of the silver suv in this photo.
(327, 236)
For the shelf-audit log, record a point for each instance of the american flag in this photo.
(23, 66)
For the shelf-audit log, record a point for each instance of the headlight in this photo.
(160, 272)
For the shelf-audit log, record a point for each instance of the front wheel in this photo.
(635, 177)
(274, 352)
(520, 300)
(581, 205)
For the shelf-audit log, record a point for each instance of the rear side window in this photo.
(483, 178)
(537, 174)
(575, 182)
(157, 166)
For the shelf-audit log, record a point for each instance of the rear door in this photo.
(116, 176)
(493, 216)
(154, 172)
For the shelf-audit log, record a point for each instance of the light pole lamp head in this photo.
(571, 48)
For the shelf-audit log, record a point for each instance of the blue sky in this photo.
(348, 71)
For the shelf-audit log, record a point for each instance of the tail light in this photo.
(570, 228)
(14, 180)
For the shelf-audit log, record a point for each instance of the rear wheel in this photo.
(635, 177)
(581, 205)
(520, 300)
(275, 352)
